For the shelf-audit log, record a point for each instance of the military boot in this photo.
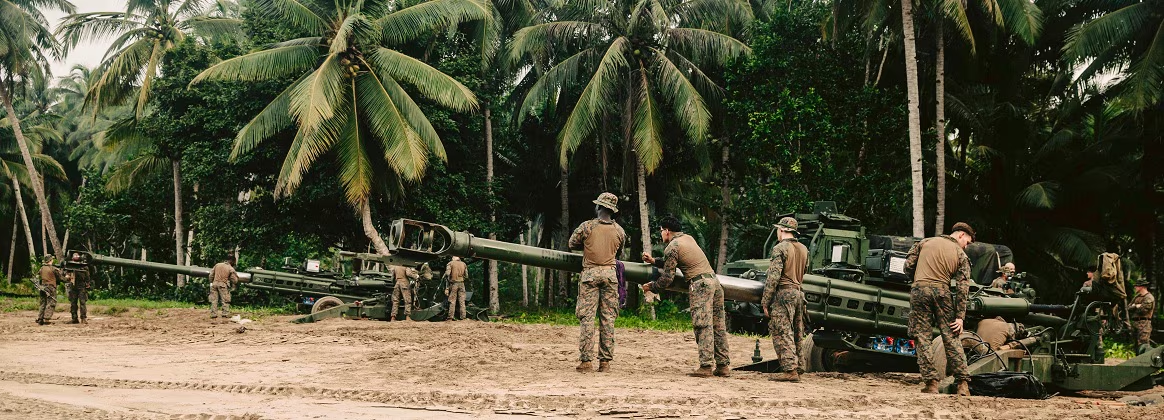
(604, 366)
(75, 321)
(789, 376)
(723, 371)
(584, 367)
(702, 372)
(84, 321)
(931, 387)
(964, 388)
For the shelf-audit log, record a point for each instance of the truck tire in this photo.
(811, 356)
(325, 303)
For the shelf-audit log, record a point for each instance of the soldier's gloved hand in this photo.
(647, 258)
(956, 327)
(646, 287)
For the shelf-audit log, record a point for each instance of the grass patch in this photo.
(626, 319)
(1118, 349)
(116, 307)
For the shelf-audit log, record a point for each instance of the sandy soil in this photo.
(177, 364)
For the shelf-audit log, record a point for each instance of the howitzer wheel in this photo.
(811, 356)
(325, 303)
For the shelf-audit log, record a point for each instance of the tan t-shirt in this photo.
(600, 242)
(937, 261)
(48, 276)
(223, 273)
(682, 253)
(457, 271)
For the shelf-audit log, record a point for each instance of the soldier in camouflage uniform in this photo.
(456, 271)
(783, 299)
(223, 278)
(941, 285)
(601, 240)
(1005, 273)
(402, 290)
(48, 290)
(1141, 310)
(79, 292)
(705, 293)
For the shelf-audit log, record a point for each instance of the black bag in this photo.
(1008, 385)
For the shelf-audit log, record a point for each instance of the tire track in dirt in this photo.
(574, 405)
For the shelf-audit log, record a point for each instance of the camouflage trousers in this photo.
(78, 297)
(457, 299)
(597, 296)
(787, 326)
(401, 293)
(219, 292)
(933, 306)
(48, 303)
(707, 316)
(1142, 330)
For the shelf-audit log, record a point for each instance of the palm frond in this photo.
(954, 11)
(690, 110)
(1092, 38)
(275, 117)
(404, 151)
(315, 100)
(135, 171)
(647, 127)
(548, 86)
(1023, 18)
(705, 47)
(1145, 82)
(263, 65)
(296, 13)
(569, 36)
(355, 168)
(411, 22)
(595, 99)
(1039, 196)
(432, 83)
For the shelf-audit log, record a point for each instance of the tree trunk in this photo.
(524, 278)
(33, 175)
(881, 67)
(644, 216)
(370, 230)
(563, 228)
(43, 239)
(24, 219)
(176, 166)
(725, 198)
(12, 249)
(190, 234)
(494, 301)
(915, 149)
(940, 128)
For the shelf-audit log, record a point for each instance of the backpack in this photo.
(1008, 385)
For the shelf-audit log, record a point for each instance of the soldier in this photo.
(705, 294)
(783, 298)
(941, 285)
(601, 240)
(1090, 277)
(79, 292)
(456, 271)
(1141, 310)
(48, 290)
(223, 278)
(1005, 273)
(421, 286)
(402, 290)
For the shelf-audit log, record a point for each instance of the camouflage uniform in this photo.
(705, 293)
(784, 300)
(600, 241)
(48, 293)
(222, 279)
(456, 271)
(402, 290)
(79, 294)
(1141, 310)
(935, 264)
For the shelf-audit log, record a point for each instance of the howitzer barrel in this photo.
(191, 270)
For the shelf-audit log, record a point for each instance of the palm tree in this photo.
(1020, 17)
(347, 96)
(633, 55)
(17, 174)
(145, 31)
(915, 146)
(1127, 34)
(25, 44)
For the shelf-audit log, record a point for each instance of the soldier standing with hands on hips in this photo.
(705, 293)
(783, 300)
(941, 286)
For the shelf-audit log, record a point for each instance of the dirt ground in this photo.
(177, 364)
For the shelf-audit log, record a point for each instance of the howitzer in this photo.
(349, 292)
(848, 315)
